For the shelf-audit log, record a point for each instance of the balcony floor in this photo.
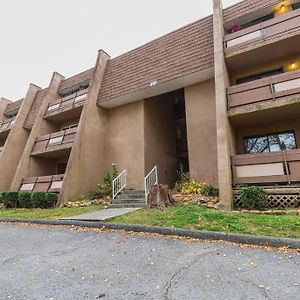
(54, 152)
(283, 109)
(65, 114)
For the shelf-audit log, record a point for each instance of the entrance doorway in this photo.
(166, 143)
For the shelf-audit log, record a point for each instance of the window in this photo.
(258, 21)
(61, 168)
(296, 6)
(259, 76)
(270, 143)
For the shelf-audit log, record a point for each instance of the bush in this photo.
(105, 188)
(10, 199)
(210, 191)
(192, 187)
(24, 200)
(1, 197)
(38, 200)
(253, 197)
(50, 200)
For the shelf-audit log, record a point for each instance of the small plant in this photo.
(210, 191)
(192, 187)
(183, 178)
(105, 188)
(10, 199)
(50, 200)
(234, 28)
(24, 200)
(253, 197)
(38, 199)
(115, 172)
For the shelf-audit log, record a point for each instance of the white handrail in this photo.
(119, 184)
(150, 180)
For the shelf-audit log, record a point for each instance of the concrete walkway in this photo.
(102, 215)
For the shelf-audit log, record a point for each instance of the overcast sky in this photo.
(40, 37)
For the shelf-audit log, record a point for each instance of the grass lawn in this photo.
(198, 217)
(52, 214)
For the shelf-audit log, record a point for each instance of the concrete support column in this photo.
(222, 123)
(3, 104)
(39, 128)
(16, 141)
(86, 165)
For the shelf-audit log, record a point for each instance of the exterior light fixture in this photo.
(293, 65)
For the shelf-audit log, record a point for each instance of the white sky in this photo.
(40, 37)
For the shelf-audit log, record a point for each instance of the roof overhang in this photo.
(159, 89)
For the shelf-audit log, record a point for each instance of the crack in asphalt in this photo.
(169, 284)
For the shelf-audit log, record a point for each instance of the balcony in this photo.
(286, 25)
(49, 184)
(55, 144)
(6, 125)
(281, 167)
(271, 88)
(69, 106)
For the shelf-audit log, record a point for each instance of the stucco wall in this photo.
(125, 142)
(201, 131)
(160, 138)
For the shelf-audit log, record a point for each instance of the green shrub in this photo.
(253, 197)
(210, 191)
(24, 200)
(50, 200)
(105, 188)
(38, 200)
(1, 197)
(10, 199)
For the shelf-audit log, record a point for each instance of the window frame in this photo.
(268, 135)
(258, 76)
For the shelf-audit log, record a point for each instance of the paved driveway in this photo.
(58, 263)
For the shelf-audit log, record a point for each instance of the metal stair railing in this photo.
(150, 180)
(119, 184)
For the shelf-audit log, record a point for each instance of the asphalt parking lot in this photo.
(60, 263)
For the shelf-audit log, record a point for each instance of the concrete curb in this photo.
(196, 234)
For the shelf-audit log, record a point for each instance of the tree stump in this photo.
(160, 197)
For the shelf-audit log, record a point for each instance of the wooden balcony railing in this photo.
(57, 139)
(286, 23)
(275, 167)
(42, 184)
(67, 102)
(7, 124)
(270, 88)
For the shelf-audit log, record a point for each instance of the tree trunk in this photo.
(160, 197)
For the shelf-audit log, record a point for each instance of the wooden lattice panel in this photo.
(279, 201)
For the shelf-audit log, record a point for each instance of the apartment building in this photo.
(218, 98)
